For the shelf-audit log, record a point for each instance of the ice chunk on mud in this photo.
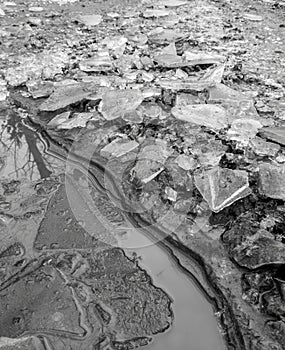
(64, 97)
(117, 103)
(168, 57)
(90, 20)
(155, 13)
(221, 187)
(101, 62)
(118, 148)
(150, 161)
(221, 93)
(243, 130)
(272, 180)
(186, 162)
(211, 116)
(184, 85)
(276, 134)
(198, 58)
(250, 245)
(264, 148)
(173, 3)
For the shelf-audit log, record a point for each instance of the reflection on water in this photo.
(21, 151)
(195, 326)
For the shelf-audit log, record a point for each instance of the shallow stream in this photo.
(195, 326)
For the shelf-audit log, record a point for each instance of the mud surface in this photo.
(142, 147)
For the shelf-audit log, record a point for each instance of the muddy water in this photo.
(195, 326)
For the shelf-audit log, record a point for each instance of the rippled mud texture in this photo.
(59, 229)
(48, 305)
(75, 296)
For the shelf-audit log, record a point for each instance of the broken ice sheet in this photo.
(238, 104)
(211, 116)
(184, 85)
(243, 130)
(3, 90)
(168, 57)
(209, 151)
(180, 74)
(222, 93)
(252, 246)
(78, 120)
(113, 15)
(90, 20)
(117, 103)
(138, 39)
(186, 162)
(40, 88)
(272, 180)
(100, 62)
(147, 76)
(171, 194)
(155, 13)
(160, 36)
(264, 148)
(276, 134)
(45, 65)
(149, 92)
(133, 117)
(124, 64)
(105, 80)
(150, 110)
(65, 96)
(151, 160)
(173, 3)
(253, 17)
(35, 9)
(59, 119)
(198, 58)
(221, 187)
(215, 74)
(184, 99)
(118, 148)
(158, 151)
(116, 44)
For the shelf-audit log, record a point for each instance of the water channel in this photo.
(195, 326)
